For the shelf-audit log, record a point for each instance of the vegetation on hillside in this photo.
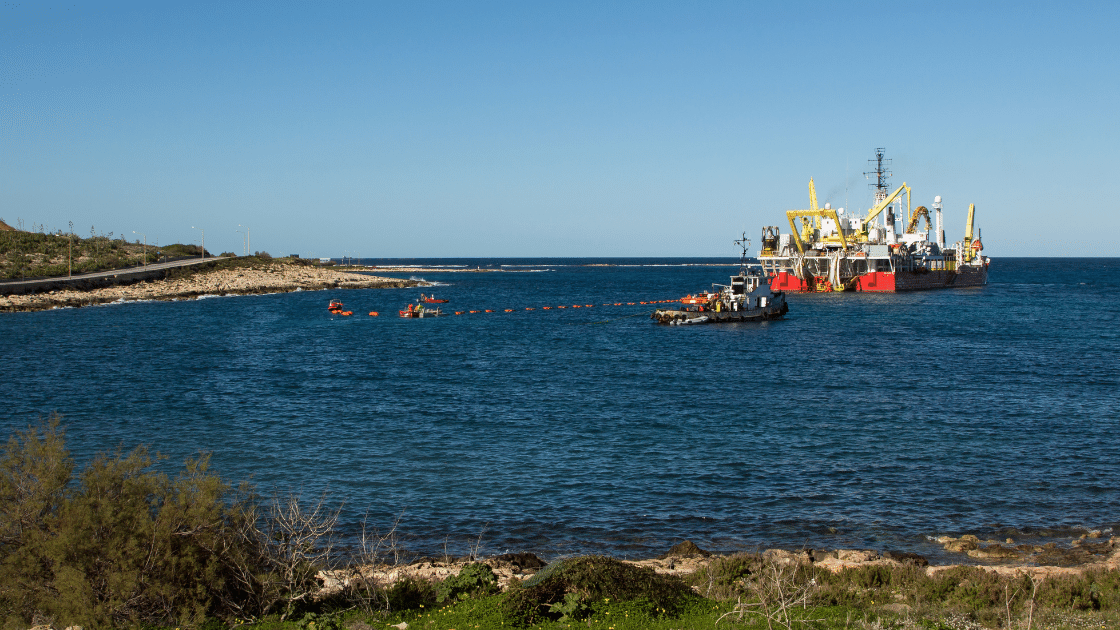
(119, 544)
(50, 254)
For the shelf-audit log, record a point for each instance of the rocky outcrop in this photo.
(273, 277)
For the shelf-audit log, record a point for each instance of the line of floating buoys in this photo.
(336, 307)
(337, 310)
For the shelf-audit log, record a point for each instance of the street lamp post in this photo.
(203, 239)
(145, 246)
(246, 237)
(244, 244)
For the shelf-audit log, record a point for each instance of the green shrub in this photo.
(410, 594)
(122, 545)
(1093, 590)
(472, 580)
(592, 579)
(723, 577)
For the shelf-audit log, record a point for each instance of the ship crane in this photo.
(884, 203)
(805, 234)
(919, 212)
(971, 247)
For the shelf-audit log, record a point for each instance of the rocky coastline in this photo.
(264, 277)
(1038, 561)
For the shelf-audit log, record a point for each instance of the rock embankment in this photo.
(273, 277)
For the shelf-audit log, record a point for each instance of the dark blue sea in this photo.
(860, 420)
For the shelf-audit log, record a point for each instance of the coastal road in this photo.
(34, 285)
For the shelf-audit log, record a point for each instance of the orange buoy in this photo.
(530, 308)
(509, 310)
(474, 311)
(374, 313)
(561, 307)
(347, 313)
(458, 312)
(546, 307)
(489, 310)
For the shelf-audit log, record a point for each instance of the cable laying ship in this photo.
(830, 251)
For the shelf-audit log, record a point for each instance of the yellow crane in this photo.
(919, 212)
(968, 232)
(805, 233)
(886, 202)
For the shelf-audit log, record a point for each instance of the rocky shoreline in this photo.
(1037, 561)
(266, 277)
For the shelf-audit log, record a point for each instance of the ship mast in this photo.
(882, 173)
(744, 243)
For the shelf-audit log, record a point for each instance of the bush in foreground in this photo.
(568, 588)
(122, 545)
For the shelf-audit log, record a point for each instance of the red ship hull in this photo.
(888, 282)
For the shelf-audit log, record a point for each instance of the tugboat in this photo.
(747, 299)
(419, 310)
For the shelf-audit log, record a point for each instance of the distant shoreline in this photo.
(274, 276)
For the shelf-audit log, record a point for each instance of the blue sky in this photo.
(432, 129)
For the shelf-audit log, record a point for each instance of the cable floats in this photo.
(419, 310)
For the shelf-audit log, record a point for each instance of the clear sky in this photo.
(554, 128)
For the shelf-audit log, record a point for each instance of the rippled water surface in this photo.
(859, 420)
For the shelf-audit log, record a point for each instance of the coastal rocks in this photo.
(906, 557)
(506, 567)
(1022, 559)
(1079, 552)
(965, 543)
(856, 555)
(1076, 554)
(841, 559)
(274, 277)
(686, 549)
(526, 563)
(995, 551)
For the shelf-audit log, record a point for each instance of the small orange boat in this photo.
(431, 299)
(335, 308)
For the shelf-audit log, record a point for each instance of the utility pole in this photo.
(203, 239)
(145, 250)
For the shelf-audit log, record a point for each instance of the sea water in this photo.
(859, 420)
